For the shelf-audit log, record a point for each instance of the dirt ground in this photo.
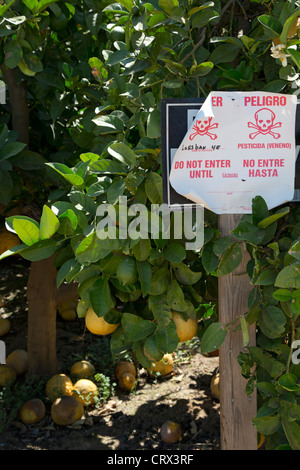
(125, 421)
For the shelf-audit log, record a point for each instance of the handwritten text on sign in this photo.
(239, 145)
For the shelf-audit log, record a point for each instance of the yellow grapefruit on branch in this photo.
(97, 325)
(185, 329)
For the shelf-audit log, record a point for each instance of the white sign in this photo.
(240, 145)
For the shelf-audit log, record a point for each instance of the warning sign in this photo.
(238, 145)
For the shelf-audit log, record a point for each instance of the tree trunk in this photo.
(41, 288)
(19, 104)
(41, 296)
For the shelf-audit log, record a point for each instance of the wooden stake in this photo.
(236, 408)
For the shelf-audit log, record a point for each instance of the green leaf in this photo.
(260, 210)
(265, 278)
(31, 4)
(26, 229)
(115, 190)
(101, 298)
(64, 270)
(119, 343)
(201, 70)
(287, 24)
(292, 432)
(267, 425)
(295, 250)
(154, 124)
(175, 297)
(108, 167)
(108, 124)
(282, 295)
(209, 260)
(272, 218)
(145, 275)
(248, 232)
(289, 277)
(168, 5)
(11, 149)
(220, 245)
(152, 349)
(160, 281)
(66, 173)
(89, 157)
(213, 337)
(91, 249)
(153, 187)
(83, 202)
(224, 53)
(166, 338)
(230, 259)
(123, 153)
(136, 328)
(161, 310)
(264, 360)
(204, 17)
(141, 249)
(245, 332)
(185, 275)
(13, 54)
(271, 24)
(175, 67)
(274, 319)
(49, 223)
(289, 382)
(40, 250)
(174, 252)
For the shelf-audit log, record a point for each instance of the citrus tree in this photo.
(139, 53)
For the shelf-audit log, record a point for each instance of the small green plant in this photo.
(106, 388)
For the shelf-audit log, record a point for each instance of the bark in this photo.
(41, 296)
(19, 104)
(41, 288)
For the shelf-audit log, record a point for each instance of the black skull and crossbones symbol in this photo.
(264, 123)
(203, 127)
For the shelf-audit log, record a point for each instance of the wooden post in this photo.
(236, 409)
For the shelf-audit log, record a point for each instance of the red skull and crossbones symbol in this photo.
(202, 127)
(264, 123)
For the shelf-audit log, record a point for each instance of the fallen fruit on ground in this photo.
(5, 326)
(66, 410)
(85, 391)
(58, 386)
(7, 375)
(185, 329)
(18, 360)
(215, 386)
(170, 432)
(125, 366)
(32, 411)
(127, 381)
(164, 366)
(82, 370)
(97, 325)
(7, 240)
